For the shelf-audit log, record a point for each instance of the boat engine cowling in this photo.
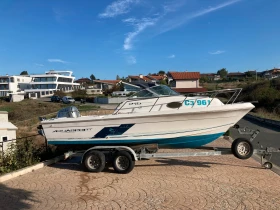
(69, 112)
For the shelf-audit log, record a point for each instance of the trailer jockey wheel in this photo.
(123, 162)
(242, 148)
(94, 161)
(267, 165)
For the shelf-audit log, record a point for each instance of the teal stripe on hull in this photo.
(179, 142)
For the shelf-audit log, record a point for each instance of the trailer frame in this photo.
(125, 154)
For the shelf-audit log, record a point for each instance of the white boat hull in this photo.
(173, 128)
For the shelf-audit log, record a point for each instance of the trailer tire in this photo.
(94, 161)
(267, 165)
(242, 148)
(123, 162)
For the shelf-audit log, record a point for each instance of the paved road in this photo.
(269, 136)
(217, 182)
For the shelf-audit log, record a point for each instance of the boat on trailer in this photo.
(156, 117)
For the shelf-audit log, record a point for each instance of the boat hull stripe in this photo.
(183, 141)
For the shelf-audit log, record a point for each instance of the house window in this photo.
(173, 83)
(18, 79)
(4, 138)
(12, 79)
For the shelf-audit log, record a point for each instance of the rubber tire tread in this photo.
(101, 157)
(131, 162)
(234, 148)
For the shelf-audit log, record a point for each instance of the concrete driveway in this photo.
(217, 182)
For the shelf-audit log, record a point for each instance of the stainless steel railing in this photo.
(213, 94)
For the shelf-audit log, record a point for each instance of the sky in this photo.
(131, 37)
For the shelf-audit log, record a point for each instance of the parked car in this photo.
(68, 100)
(55, 98)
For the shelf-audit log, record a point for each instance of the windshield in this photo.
(164, 90)
(156, 91)
(143, 94)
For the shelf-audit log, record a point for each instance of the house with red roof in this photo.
(99, 86)
(83, 81)
(140, 78)
(185, 82)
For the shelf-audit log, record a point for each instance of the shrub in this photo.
(79, 94)
(24, 153)
(60, 93)
(19, 155)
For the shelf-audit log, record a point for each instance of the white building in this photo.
(13, 84)
(7, 131)
(43, 85)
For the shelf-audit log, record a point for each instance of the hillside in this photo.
(266, 92)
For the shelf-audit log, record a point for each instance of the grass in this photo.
(263, 113)
(25, 115)
(29, 109)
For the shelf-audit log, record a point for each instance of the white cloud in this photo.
(139, 26)
(171, 56)
(176, 22)
(55, 60)
(217, 52)
(173, 6)
(38, 64)
(117, 8)
(131, 60)
(58, 14)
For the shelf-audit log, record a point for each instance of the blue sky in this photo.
(129, 37)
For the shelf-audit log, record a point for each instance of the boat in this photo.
(156, 115)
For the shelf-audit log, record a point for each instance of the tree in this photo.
(163, 82)
(222, 72)
(249, 73)
(124, 79)
(161, 72)
(203, 79)
(92, 77)
(118, 77)
(24, 73)
(121, 86)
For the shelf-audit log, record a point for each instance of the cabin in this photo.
(185, 82)
(7, 132)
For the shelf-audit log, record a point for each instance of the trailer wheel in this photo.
(123, 162)
(94, 161)
(242, 148)
(267, 165)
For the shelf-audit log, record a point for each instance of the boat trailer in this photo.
(123, 158)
